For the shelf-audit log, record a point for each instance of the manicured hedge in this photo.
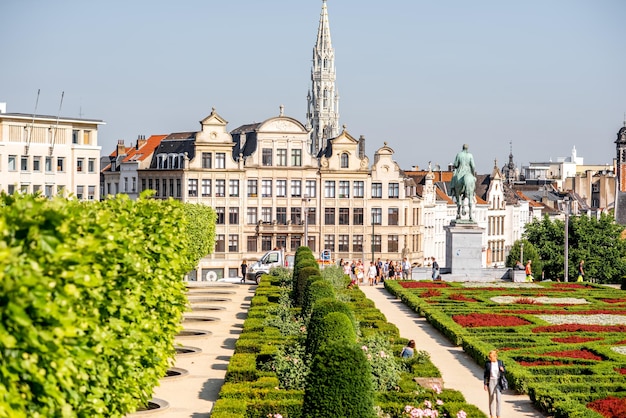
(562, 368)
(91, 298)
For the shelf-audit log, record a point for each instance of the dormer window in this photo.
(344, 160)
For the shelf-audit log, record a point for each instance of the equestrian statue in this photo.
(463, 184)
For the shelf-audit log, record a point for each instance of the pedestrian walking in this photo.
(494, 380)
(244, 270)
(436, 275)
(371, 273)
(581, 271)
(529, 271)
(406, 268)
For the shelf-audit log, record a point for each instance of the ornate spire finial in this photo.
(212, 110)
(282, 110)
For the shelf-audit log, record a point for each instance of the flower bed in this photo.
(610, 407)
(582, 354)
(489, 320)
(573, 339)
(422, 285)
(463, 298)
(580, 328)
(575, 359)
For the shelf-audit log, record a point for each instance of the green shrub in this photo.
(315, 291)
(92, 298)
(300, 283)
(385, 367)
(323, 307)
(335, 326)
(339, 384)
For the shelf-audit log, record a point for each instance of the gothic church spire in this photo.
(323, 98)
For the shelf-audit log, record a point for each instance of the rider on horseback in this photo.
(464, 180)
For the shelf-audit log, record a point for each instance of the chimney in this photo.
(361, 147)
(121, 148)
(141, 141)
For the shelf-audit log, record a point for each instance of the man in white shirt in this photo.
(406, 268)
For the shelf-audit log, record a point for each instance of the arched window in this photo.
(344, 160)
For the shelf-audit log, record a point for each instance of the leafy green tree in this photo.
(530, 253)
(548, 237)
(597, 241)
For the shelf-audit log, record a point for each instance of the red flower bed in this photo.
(610, 407)
(488, 320)
(430, 293)
(420, 285)
(526, 301)
(614, 300)
(580, 328)
(621, 342)
(574, 339)
(582, 354)
(570, 286)
(458, 296)
(620, 370)
(542, 363)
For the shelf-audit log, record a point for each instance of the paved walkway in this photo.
(193, 395)
(222, 308)
(459, 370)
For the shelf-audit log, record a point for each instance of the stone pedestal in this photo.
(464, 249)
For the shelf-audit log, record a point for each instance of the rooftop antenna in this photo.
(56, 127)
(32, 124)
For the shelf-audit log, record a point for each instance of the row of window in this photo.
(269, 187)
(34, 164)
(332, 216)
(340, 243)
(51, 190)
(267, 158)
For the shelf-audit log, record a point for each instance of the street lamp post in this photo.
(305, 213)
(521, 252)
(566, 262)
(373, 240)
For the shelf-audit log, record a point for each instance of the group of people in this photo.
(528, 270)
(376, 272)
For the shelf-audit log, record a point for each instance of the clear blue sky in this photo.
(424, 76)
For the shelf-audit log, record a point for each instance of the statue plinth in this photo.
(464, 247)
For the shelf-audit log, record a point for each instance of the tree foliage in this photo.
(597, 241)
(91, 298)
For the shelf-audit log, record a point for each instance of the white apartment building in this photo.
(49, 155)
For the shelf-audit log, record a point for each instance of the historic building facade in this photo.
(50, 155)
(269, 191)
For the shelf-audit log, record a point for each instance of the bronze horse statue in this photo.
(463, 184)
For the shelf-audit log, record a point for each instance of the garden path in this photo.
(459, 370)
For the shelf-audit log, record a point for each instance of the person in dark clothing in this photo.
(244, 269)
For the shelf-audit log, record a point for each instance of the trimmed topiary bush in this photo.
(323, 307)
(300, 283)
(336, 326)
(317, 289)
(339, 384)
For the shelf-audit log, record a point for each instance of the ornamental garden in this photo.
(92, 297)
(563, 343)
